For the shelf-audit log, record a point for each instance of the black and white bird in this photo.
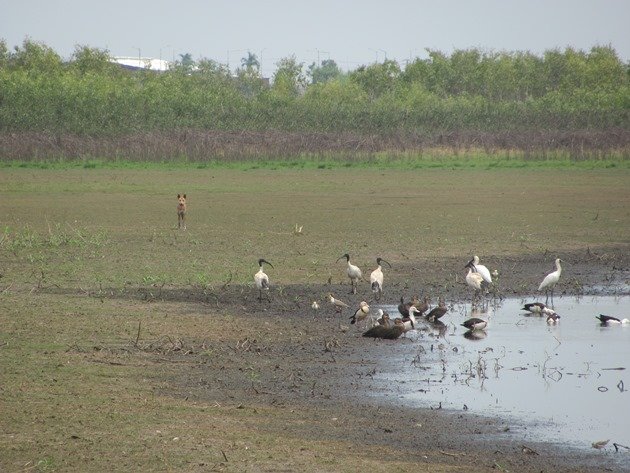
(410, 321)
(550, 281)
(376, 278)
(609, 320)
(475, 324)
(534, 308)
(552, 316)
(354, 273)
(261, 279)
(361, 313)
(479, 268)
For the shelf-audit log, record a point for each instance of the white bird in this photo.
(410, 322)
(480, 268)
(550, 281)
(474, 280)
(337, 304)
(315, 305)
(608, 320)
(354, 273)
(376, 279)
(361, 313)
(261, 279)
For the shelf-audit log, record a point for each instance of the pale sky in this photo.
(351, 32)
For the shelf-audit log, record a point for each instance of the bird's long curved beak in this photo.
(384, 261)
(469, 264)
(267, 262)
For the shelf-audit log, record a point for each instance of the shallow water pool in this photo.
(566, 383)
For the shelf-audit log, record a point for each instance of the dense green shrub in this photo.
(468, 90)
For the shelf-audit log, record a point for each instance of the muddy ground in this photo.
(318, 367)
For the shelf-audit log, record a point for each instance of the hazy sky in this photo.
(351, 32)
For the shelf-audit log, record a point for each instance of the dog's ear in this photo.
(184, 196)
(178, 196)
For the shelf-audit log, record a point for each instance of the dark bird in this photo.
(423, 305)
(437, 312)
(389, 333)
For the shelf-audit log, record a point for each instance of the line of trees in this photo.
(466, 90)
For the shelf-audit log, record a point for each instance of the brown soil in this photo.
(319, 368)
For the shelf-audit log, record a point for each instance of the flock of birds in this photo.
(383, 326)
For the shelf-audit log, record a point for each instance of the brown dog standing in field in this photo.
(181, 211)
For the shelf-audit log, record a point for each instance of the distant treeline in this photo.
(468, 91)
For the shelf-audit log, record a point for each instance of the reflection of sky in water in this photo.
(554, 380)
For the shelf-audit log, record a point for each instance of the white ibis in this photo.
(480, 268)
(376, 279)
(550, 281)
(261, 279)
(354, 273)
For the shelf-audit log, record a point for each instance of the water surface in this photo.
(567, 383)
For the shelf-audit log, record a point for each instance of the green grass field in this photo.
(75, 395)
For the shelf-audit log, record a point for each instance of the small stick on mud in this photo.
(224, 456)
(138, 334)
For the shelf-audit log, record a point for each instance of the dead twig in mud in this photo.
(528, 451)
(449, 454)
(135, 344)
